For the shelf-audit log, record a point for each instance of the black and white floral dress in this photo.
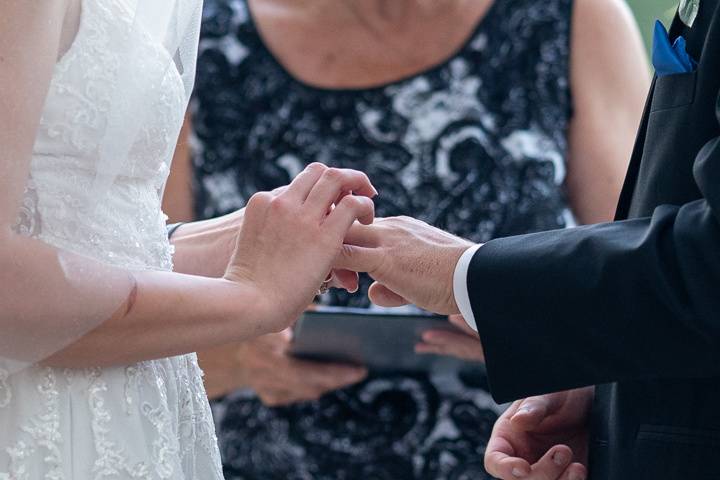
(475, 145)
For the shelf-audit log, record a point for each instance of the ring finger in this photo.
(303, 183)
(333, 184)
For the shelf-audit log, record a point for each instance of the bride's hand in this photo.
(291, 237)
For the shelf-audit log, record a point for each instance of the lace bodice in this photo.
(74, 121)
(145, 421)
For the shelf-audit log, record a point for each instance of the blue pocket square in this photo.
(670, 59)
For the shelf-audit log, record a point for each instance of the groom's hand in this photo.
(542, 438)
(410, 261)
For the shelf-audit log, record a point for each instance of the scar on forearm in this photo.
(129, 303)
(132, 298)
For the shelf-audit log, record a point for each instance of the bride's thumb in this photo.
(381, 295)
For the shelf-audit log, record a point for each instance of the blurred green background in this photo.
(646, 11)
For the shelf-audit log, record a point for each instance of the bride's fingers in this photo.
(304, 182)
(333, 183)
(381, 295)
(345, 279)
(349, 209)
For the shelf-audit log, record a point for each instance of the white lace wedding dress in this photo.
(145, 421)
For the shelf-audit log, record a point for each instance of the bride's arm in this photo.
(51, 298)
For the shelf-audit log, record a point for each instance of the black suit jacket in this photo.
(632, 306)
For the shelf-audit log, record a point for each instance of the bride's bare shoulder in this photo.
(34, 26)
(28, 16)
(30, 10)
(30, 33)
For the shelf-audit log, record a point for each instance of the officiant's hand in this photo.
(542, 438)
(279, 379)
(289, 240)
(410, 261)
(463, 343)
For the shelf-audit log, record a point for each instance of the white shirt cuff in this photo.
(460, 286)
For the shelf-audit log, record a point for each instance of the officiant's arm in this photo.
(201, 247)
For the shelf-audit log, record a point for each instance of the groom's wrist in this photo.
(460, 286)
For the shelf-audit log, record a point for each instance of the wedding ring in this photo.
(325, 285)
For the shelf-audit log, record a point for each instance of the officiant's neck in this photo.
(393, 10)
(387, 10)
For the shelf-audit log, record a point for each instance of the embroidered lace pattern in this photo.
(145, 421)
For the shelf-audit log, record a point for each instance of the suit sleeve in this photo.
(629, 300)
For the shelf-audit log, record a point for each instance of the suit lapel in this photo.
(631, 177)
(677, 28)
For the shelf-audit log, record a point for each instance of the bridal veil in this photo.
(50, 297)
